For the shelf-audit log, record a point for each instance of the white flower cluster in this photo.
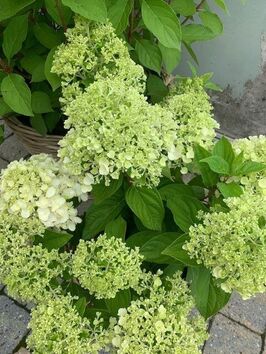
(42, 188)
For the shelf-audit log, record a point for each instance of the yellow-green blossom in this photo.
(114, 130)
(254, 149)
(93, 50)
(57, 328)
(106, 266)
(161, 322)
(42, 188)
(233, 244)
(191, 108)
(33, 272)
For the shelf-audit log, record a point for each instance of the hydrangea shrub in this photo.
(177, 221)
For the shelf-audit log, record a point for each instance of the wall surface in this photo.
(238, 60)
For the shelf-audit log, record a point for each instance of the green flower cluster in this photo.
(106, 266)
(94, 51)
(114, 130)
(233, 244)
(41, 188)
(254, 149)
(56, 327)
(192, 111)
(163, 322)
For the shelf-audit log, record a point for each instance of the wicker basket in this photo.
(32, 141)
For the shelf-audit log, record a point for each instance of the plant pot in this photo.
(33, 142)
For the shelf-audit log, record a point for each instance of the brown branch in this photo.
(6, 68)
(61, 15)
(198, 7)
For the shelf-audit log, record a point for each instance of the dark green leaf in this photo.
(51, 120)
(38, 74)
(9, 8)
(183, 7)
(101, 192)
(47, 36)
(156, 88)
(30, 61)
(161, 20)
(81, 305)
(153, 249)
(208, 176)
(229, 190)
(217, 164)
(55, 239)
(194, 33)
(16, 94)
(212, 22)
(176, 251)
(118, 13)
(171, 57)
(185, 210)
(147, 204)
(37, 122)
(99, 215)
(40, 102)
(149, 55)
(140, 238)
(171, 269)
(52, 78)
(121, 300)
(224, 149)
(116, 228)
(59, 13)
(14, 35)
(174, 190)
(209, 298)
(91, 9)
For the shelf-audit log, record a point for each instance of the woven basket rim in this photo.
(15, 124)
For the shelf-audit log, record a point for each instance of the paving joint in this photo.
(240, 324)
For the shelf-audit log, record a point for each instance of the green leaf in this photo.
(171, 57)
(229, 190)
(54, 239)
(149, 55)
(9, 8)
(191, 52)
(176, 251)
(51, 120)
(116, 228)
(147, 204)
(4, 108)
(194, 33)
(52, 78)
(217, 164)
(99, 215)
(224, 149)
(121, 300)
(213, 86)
(209, 298)
(184, 7)
(161, 20)
(16, 94)
(91, 9)
(118, 14)
(14, 35)
(81, 305)
(211, 21)
(222, 5)
(153, 249)
(47, 36)
(174, 190)
(247, 167)
(156, 88)
(38, 74)
(101, 192)
(30, 61)
(54, 8)
(40, 102)
(185, 210)
(208, 176)
(140, 238)
(37, 122)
